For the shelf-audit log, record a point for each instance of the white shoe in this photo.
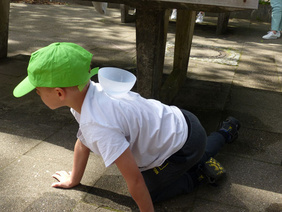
(271, 35)
(173, 14)
(278, 33)
(200, 18)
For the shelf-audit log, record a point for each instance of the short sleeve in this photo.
(106, 141)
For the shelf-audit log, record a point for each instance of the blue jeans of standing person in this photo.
(177, 175)
(276, 17)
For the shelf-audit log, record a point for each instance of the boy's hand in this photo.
(64, 179)
(71, 179)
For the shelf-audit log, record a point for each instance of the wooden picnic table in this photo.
(152, 17)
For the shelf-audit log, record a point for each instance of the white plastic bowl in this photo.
(116, 81)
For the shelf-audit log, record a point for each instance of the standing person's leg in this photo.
(280, 26)
(276, 15)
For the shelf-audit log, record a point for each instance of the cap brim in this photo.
(23, 88)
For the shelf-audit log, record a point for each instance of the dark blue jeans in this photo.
(177, 174)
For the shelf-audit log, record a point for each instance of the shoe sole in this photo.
(270, 38)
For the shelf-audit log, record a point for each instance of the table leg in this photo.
(151, 34)
(4, 27)
(183, 40)
(125, 16)
(222, 23)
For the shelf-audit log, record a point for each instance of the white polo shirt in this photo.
(109, 125)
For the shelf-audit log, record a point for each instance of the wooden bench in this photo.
(222, 21)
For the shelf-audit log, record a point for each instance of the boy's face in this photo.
(50, 97)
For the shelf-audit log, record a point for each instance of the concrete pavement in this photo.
(236, 74)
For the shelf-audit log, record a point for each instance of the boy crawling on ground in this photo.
(160, 150)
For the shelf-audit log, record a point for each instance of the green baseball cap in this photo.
(57, 65)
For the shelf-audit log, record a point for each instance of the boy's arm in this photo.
(135, 181)
(81, 154)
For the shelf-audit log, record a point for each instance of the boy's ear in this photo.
(61, 93)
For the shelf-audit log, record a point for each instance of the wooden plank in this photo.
(4, 27)
(204, 5)
(244, 4)
(183, 40)
(151, 32)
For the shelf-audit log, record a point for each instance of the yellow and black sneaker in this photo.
(212, 170)
(230, 128)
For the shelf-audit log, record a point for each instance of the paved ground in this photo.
(235, 74)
